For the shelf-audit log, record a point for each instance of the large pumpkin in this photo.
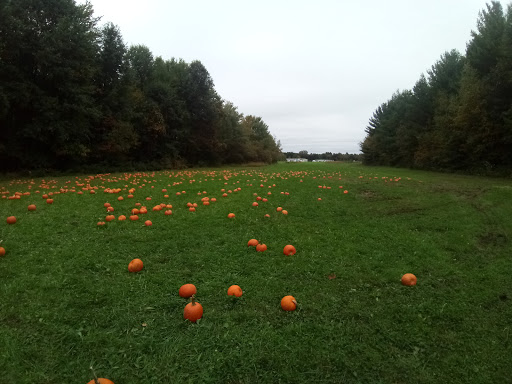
(100, 380)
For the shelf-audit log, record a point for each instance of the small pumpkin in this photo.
(235, 290)
(32, 207)
(187, 290)
(289, 250)
(288, 303)
(261, 247)
(148, 223)
(2, 251)
(252, 243)
(409, 279)
(193, 311)
(231, 215)
(49, 201)
(11, 220)
(135, 265)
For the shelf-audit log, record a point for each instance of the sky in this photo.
(314, 71)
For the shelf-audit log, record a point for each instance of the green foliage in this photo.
(73, 95)
(459, 117)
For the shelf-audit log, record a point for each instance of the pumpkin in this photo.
(231, 215)
(187, 290)
(110, 209)
(134, 217)
(148, 223)
(121, 218)
(11, 220)
(288, 303)
(252, 243)
(135, 265)
(289, 250)
(235, 290)
(106, 205)
(284, 212)
(168, 212)
(100, 380)
(193, 311)
(32, 207)
(49, 201)
(261, 248)
(409, 279)
(279, 209)
(2, 251)
(110, 218)
(255, 204)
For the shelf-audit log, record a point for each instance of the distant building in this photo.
(321, 161)
(299, 160)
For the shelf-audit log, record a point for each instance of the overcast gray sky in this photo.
(315, 71)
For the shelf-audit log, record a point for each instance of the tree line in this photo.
(73, 95)
(459, 116)
(324, 156)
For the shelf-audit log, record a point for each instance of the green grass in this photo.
(68, 302)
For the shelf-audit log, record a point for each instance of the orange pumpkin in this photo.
(284, 212)
(110, 218)
(168, 212)
(279, 209)
(235, 290)
(252, 243)
(121, 218)
(231, 215)
(32, 207)
(289, 250)
(135, 265)
(134, 217)
(261, 248)
(193, 311)
(2, 251)
(187, 290)
(148, 223)
(11, 220)
(49, 201)
(100, 380)
(288, 303)
(409, 279)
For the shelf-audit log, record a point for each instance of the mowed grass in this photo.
(68, 302)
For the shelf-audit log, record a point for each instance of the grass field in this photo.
(68, 302)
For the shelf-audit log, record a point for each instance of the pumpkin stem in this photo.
(94, 375)
(193, 299)
(294, 302)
